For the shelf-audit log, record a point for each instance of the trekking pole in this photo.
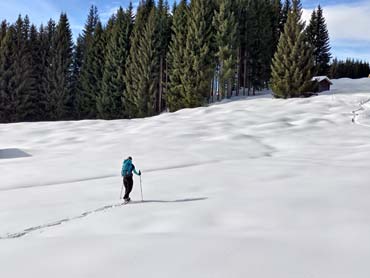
(120, 196)
(141, 188)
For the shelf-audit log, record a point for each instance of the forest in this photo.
(160, 58)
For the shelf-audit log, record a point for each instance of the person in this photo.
(127, 168)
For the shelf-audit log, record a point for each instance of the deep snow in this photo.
(256, 187)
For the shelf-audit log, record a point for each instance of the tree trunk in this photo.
(160, 85)
(238, 72)
(245, 73)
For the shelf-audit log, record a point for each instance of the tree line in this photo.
(141, 63)
(349, 68)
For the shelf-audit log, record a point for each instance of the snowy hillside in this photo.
(256, 187)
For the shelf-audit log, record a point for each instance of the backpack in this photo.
(127, 168)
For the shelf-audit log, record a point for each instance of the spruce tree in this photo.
(109, 100)
(276, 23)
(40, 60)
(96, 62)
(318, 36)
(86, 97)
(3, 29)
(287, 7)
(36, 111)
(226, 39)
(164, 34)
(176, 58)
(60, 72)
(142, 77)
(259, 44)
(7, 96)
(46, 39)
(293, 61)
(76, 87)
(199, 56)
(23, 79)
(241, 15)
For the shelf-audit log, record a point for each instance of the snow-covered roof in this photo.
(321, 78)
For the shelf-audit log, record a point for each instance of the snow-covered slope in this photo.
(257, 187)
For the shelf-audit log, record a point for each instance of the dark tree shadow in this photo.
(13, 153)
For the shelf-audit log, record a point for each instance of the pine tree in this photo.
(318, 36)
(226, 39)
(142, 77)
(109, 100)
(199, 56)
(293, 62)
(176, 58)
(60, 102)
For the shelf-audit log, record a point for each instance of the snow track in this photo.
(87, 213)
(362, 110)
(59, 222)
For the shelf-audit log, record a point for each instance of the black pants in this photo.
(129, 183)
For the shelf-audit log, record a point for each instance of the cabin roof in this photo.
(321, 78)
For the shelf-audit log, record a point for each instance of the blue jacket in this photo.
(128, 168)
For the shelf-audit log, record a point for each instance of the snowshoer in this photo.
(126, 173)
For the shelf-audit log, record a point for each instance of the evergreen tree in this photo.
(199, 56)
(176, 58)
(60, 73)
(349, 68)
(3, 29)
(226, 39)
(164, 34)
(94, 73)
(109, 100)
(318, 36)
(84, 49)
(293, 62)
(76, 86)
(7, 96)
(143, 67)
(259, 44)
(241, 9)
(23, 79)
(287, 7)
(46, 53)
(36, 111)
(276, 23)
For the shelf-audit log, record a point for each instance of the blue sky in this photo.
(348, 20)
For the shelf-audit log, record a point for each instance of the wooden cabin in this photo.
(323, 83)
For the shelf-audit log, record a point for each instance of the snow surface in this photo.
(257, 187)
